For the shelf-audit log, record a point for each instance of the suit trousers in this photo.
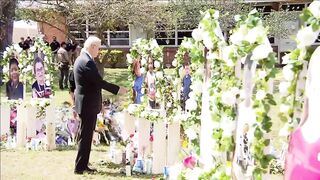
(87, 126)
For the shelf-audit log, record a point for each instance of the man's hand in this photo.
(122, 91)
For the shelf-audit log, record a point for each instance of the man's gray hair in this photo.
(90, 41)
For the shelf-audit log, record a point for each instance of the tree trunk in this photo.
(7, 13)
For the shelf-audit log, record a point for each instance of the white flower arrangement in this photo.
(261, 94)
(261, 52)
(197, 34)
(314, 8)
(307, 36)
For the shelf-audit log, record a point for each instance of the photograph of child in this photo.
(39, 88)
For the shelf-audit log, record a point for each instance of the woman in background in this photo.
(137, 87)
(303, 157)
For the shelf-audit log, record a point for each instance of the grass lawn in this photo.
(58, 164)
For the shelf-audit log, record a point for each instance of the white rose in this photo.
(129, 59)
(254, 34)
(314, 8)
(158, 94)
(5, 69)
(228, 98)
(207, 40)
(191, 104)
(42, 103)
(8, 49)
(261, 94)
(159, 75)
(17, 48)
(283, 88)
(29, 68)
(306, 36)
(45, 59)
(143, 61)
(142, 70)
(237, 17)
(174, 63)
(228, 126)
(238, 36)
(169, 105)
(131, 109)
(33, 49)
(186, 44)
(197, 34)
(286, 59)
(260, 52)
(284, 108)
(235, 90)
(212, 55)
(156, 64)
(174, 94)
(288, 74)
(5, 54)
(262, 74)
(191, 134)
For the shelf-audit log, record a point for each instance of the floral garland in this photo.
(26, 59)
(223, 95)
(145, 49)
(250, 36)
(292, 95)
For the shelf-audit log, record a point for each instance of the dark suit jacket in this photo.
(88, 85)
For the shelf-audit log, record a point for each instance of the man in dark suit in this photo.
(88, 100)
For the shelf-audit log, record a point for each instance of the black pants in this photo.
(87, 126)
(64, 75)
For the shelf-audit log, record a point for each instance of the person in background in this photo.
(14, 88)
(185, 85)
(137, 87)
(39, 88)
(88, 99)
(33, 40)
(54, 47)
(29, 41)
(151, 84)
(64, 63)
(23, 44)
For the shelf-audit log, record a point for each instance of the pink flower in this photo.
(151, 138)
(190, 162)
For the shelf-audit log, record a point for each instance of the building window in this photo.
(293, 7)
(166, 38)
(118, 38)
